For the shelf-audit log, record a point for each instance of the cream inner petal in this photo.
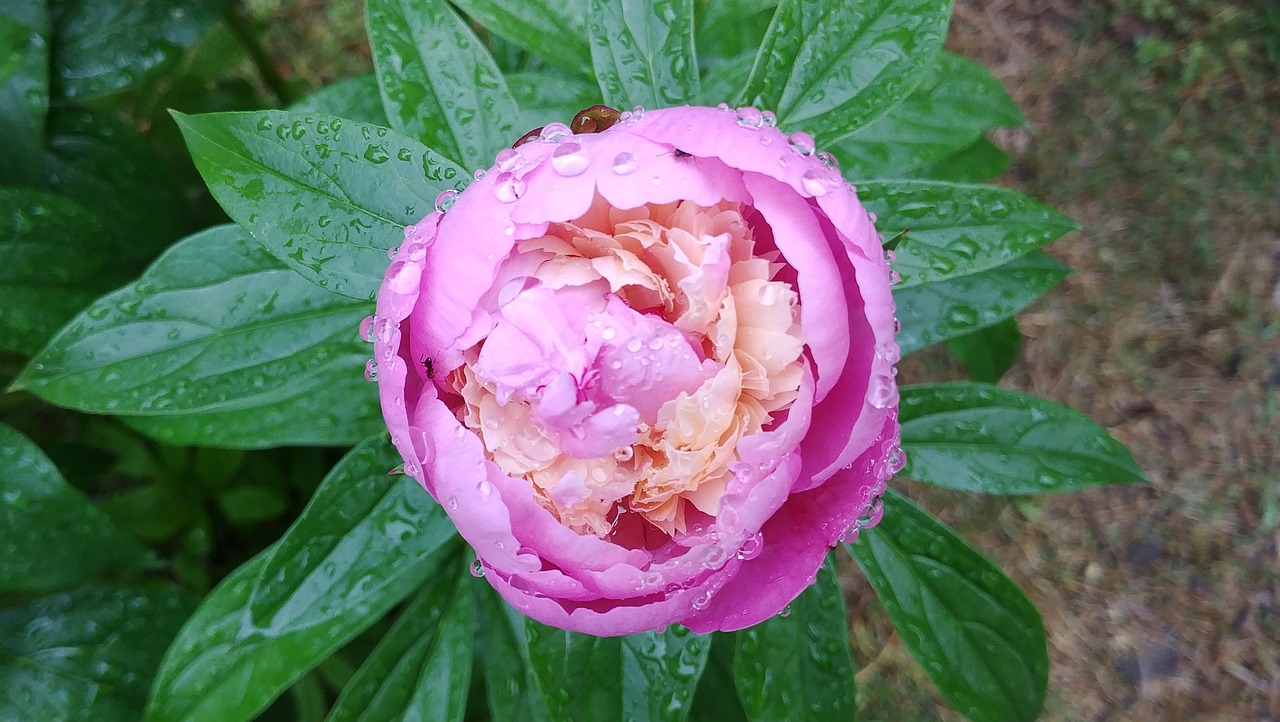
(630, 352)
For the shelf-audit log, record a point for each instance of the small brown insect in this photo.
(430, 366)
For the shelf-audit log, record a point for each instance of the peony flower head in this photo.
(646, 364)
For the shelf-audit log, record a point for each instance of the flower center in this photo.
(626, 354)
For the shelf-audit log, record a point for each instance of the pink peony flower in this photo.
(648, 371)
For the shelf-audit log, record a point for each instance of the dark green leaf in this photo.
(957, 230)
(716, 699)
(153, 513)
(364, 542)
(990, 352)
(935, 312)
(949, 111)
(422, 667)
(252, 504)
(52, 264)
(356, 98)
(643, 52)
(555, 31)
(24, 90)
(439, 83)
(546, 96)
(86, 655)
(218, 344)
(975, 437)
(730, 28)
(103, 46)
(636, 678)
(977, 163)
(972, 629)
(510, 688)
(52, 535)
(832, 67)
(796, 666)
(325, 195)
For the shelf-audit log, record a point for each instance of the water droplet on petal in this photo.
(749, 117)
(768, 118)
(625, 164)
(751, 547)
(569, 160)
(371, 370)
(555, 132)
(366, 328)
(392, 251)
(813, 182)
(786, 611)
(508, 159)
(722, 107)
(479, 174)
(403, 277)
(624, 454)
(768, 294)
(477, 569)
(882, 392)
(889, 352)
(509, 188)
(485, 489)
(446, 199)
(829, 160)
(801, 143)
(702, 601)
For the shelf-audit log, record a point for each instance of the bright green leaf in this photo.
(87, 655)
(356, 98)
(555, 31)
(53, 536)
(219, 344)
(796, 666)
(832, 67)
(364, 542)
(643, 52)
(730, 28)
(972, 629)
(325, 195)
(421, 670)
(988, 353)
(24, 90)
(935, 312)
(439, 83)
(636, 678)
(976, 437)
(977, 163)
(546, 96)
(508, 681)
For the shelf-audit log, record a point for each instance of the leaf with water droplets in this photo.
(364, 542)
(988, 353)
(643, 52)
(934, 312)
(24, 90)
(970, 627)
(832, 67)
(356, 98)
(547, 96)
(976, 437)
(636, 678)
(305, 186)
(217, 344)
(508, 680)
(439, 83)
(797, 667)
(87, 654)
(554, 30)
(716, 699)
(954, 230)
(51, 534)
(976, 163)
(421, 670)
(950, 110)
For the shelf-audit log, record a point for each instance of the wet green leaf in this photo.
(366, 540)
(510, 688)
(973, 630)
(730, 28)
(977, 163)
(104, 46)
(217, 344)
(24, 90)
(546, 96)
(554, 31)
(988, 353)
(796, 666)
(636, 678)
(957, 230)
(832, 67)
(934, 312)
(439, 83)
(643, 52)
(51, 534)
(716, 699)
(87, 655)
(948, 112)
(976, 437)
(356, 98)
(325, 195)
(421, 670)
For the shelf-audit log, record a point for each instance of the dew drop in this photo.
(883, 392)
(768, 118)
(366, 329)
(392, 251)
(722, 107)
(768, 294)
(555, 132)
(485, 489)
(624, 454)
(508, 159)
(786, 611)
(403, 277)
(569, 160)
(479, 174)
(477, 569)
(608, 334)
(749, 117)
(801, 143)
(446, 199)
(625, 164)
(633, 345)
(509, 188)
(813, 183)
(370, 370)
(702, 601)
(829, 160)
(750, 548)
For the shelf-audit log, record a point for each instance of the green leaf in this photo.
(636, 678)
(104, 46)
(643, 52)
(555, 31)
(24, 90)
(987, 354)
(957, 230)
(355, 98)
(976, 437)
(53, 536)
(796, 666)
(86, 655)
(364, 542)
(973, 630)
(978, 163)
(729, 28)
(510, 688)
(325, 195)
(439, 83)
(220, 345)
(716, 699)
(545, 96)
(421, 670)
(935, 312)
(832, 67)
(52, 264)
(152, 513)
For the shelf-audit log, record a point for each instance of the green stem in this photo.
(236, 20)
